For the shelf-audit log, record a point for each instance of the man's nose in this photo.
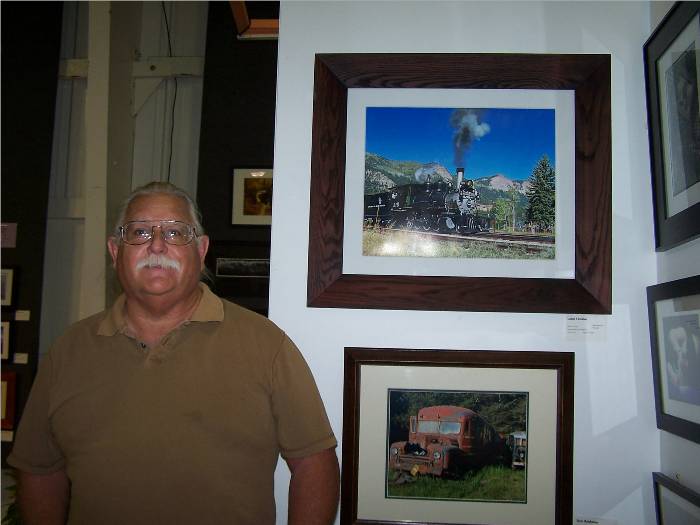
(157, 243)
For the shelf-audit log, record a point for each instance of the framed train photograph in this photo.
(415, 182)
(673, 111)
(674, 327)
(459, 190)
(448, 182)
(469, 436)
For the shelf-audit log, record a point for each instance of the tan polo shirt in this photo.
(185, 432)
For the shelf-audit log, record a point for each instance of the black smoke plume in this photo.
(467, 128)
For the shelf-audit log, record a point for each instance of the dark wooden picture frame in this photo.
(670, 230)
(689, 286)
(590, 291)
(355, 358)
(684, 493)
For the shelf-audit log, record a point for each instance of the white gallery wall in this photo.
(616, 442)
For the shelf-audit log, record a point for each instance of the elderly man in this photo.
(172, 406)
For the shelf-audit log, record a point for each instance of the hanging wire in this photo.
(172, 117)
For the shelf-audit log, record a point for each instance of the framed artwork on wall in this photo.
(337, 76)
(675, 503)
(9, 389)
(240, 272)
(5, 339)
(252, 196)
(6, 284)
(440, 433)
(673, 110)
(674, 325)
(235, 267)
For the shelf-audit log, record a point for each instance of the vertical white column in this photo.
(92, 280)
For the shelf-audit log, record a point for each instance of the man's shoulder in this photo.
(236, 314)
(78, 336)
(85, 327)
(253, 329)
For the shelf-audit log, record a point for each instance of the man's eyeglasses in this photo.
(176, 233)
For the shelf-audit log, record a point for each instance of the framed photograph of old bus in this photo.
(674, 326)
(467, 436)
(458, 445)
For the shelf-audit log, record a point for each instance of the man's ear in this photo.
(113, 247)
(202, 247)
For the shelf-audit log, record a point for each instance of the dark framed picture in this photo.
(9, 389)
(242, 268)
(444, 436)
(6, 278)
(252, 196)
(5, 329)
(674, 326)
(675, 503)
(585, 287)
(240, 272)
(673, 111)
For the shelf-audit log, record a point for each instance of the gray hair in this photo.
(165, 188)
(161, 188)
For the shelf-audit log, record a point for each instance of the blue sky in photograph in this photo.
(492, 140)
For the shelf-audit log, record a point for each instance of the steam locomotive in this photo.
(429, 206)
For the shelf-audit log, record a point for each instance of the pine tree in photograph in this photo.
(540, 196)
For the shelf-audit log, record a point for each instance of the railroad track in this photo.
(530, 241)
(546, 240)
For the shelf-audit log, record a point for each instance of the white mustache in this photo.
(155, 259)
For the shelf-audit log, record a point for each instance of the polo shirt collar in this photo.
(210, 308)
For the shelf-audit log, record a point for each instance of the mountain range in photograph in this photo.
(382, 174)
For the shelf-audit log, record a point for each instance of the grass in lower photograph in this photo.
(492, 483)
(396, 243)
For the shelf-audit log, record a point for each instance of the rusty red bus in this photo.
(445, 440)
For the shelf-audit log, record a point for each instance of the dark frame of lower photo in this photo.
(685, 496)
(362, 390)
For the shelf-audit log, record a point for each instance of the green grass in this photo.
(492, 483)
(409, 244)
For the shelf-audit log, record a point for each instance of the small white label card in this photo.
(22, 315)
(21, 358)
(595, 521)
(593, 328)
